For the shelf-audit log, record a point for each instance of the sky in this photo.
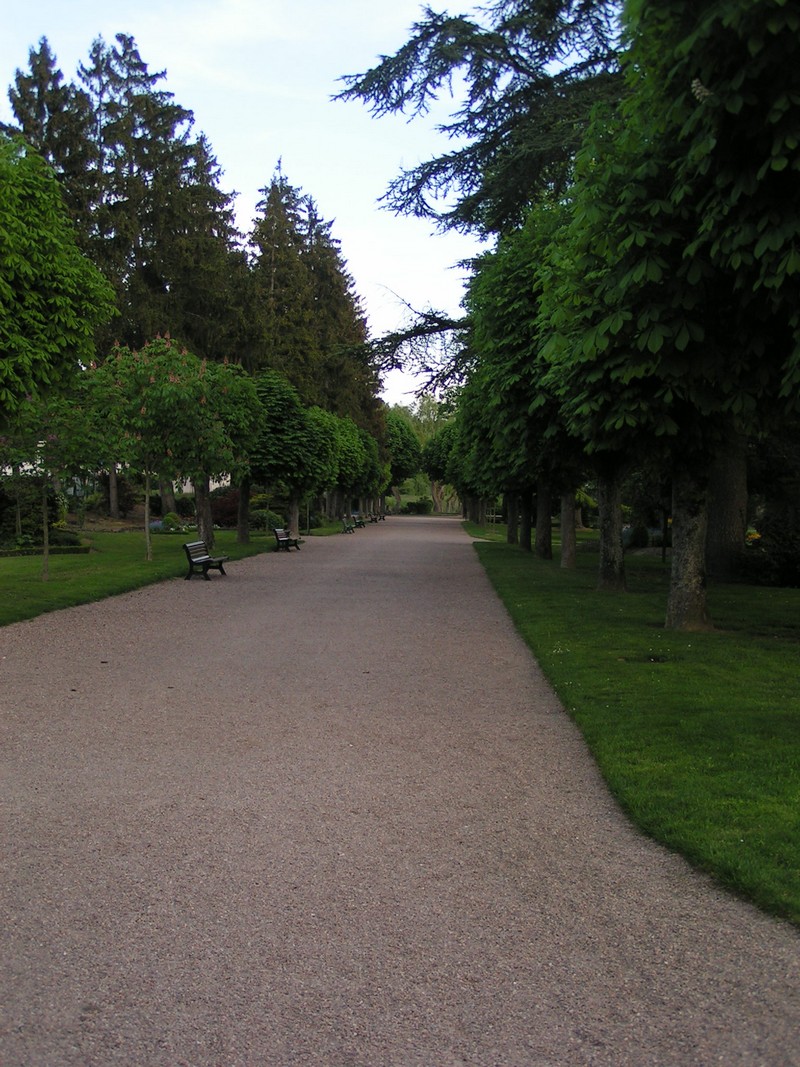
(259, 76)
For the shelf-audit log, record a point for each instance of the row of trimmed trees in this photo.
(167, 415)
(637, 168)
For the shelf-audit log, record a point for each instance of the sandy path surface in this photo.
(326, 811)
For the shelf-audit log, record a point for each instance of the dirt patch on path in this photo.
(327, 811)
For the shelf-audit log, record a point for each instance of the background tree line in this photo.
(192, 349)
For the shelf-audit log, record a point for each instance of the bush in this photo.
(422, 506)
(63, 538)
(185, 506)
(225, 508)
(26, 493)
(635, 537)
(264, 519)
(173, 522)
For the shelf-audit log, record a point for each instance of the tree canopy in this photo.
(51, 297)
(525, 78)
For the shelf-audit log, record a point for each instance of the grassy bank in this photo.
(697, 735)
(116, 564)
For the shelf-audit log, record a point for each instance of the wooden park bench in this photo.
(284, 541)
(359, 521)
(347, 526)
(201, 561)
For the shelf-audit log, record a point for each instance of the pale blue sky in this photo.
(259, 75)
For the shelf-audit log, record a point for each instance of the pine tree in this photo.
(55, 118)
(282, 334)
(348, 380)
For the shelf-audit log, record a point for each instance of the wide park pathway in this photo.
(326, 811)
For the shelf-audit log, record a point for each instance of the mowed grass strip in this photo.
(116, 564)
(697, 735)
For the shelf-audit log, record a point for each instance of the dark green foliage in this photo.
(305, 318)
(436, 453)
(402, 446)
(143, 193)
(56, 119)
(530, 76)
(21, 511)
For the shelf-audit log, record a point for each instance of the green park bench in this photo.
(284, 541)
(200, 560)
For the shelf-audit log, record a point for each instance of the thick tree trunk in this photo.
(568, 540)
(512, 519)
(437, 496)
(687, 605)
(205, 523)
(525, 522)
(243, 513)
(611, 576)
(727, 511)
(544, 523)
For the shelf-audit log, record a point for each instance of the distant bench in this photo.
(284, 541)
(201, 561)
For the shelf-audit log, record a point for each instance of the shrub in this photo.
(173, 522)
(635, 537)
(264, 519)
(185, 506)
(422, 506)
(225, 507)
(25, 494)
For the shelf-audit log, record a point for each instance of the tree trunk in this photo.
(113, 492)
(243, 513)
(568, 540)
(544, 522)
(167, 492)
(525, 522)
(611, 576)
(45, 534)
(727, 511)
(437, 495)
(202, 497)
(148, 537)
(294, 515)
(687, 605)
(512, 516)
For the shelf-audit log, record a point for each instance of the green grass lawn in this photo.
(116, 564)
(697, 735)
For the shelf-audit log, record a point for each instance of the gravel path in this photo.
(326, 811)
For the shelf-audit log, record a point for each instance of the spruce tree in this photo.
(55, 118)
